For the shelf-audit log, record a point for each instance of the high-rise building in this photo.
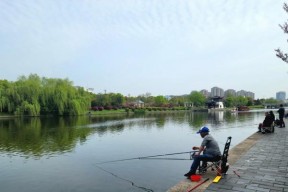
(230, 92)
(245, 94)
(250, 94)
(281, 95)
(241, 93)
(217, 92)
(205, 93)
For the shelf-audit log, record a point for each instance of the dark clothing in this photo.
(269, 119)
(281, 112)
(272, 115)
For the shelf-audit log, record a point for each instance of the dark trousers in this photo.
(282, 123)
(204, 158)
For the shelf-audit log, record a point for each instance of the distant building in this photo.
(250, 94)
(230, 92)
(215, 103)
(241, 93)
(245, 94)
(205, 93)
(281, 95)
(139, 103)
(217, 92)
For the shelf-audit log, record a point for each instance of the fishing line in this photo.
(152, 157)
(155, 158)
(230, 127)
(132, 183)
(146, 157)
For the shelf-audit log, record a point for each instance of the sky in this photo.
(134, 47)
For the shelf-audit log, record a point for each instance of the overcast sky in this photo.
(133, 47)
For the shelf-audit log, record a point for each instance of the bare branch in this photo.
(284, 27)
(285, 7)
(281, 55)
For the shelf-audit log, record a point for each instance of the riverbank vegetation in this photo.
(36, 96)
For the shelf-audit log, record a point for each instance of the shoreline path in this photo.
(261, 161)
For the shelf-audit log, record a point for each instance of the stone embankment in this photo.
(259, 163)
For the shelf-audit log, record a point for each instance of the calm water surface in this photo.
(63, 154)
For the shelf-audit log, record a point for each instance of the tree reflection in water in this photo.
(39, 136)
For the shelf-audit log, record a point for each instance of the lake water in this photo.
(65, 154)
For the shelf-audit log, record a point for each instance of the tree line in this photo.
(198, 100)
(195, 98)
(36, 96)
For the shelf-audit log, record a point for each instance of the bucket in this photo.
(195, 177)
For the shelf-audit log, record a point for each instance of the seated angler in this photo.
(210, 149)
(272, 115)
(269, 119)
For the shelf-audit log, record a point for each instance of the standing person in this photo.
(281, 112)
(210, 149)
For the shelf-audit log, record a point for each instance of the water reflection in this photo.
(39, 136)
(45, 136)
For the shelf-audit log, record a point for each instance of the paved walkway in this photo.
(264, 167)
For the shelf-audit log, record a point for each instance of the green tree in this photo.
(230, 101)
(117, 99)
(160, 101)
(197, 98)
(146, 98)
(250, 101)
(29, 90)
(34, 96)
(177, 101)
(4, 97)
(258, 102)
(241, 101)
(272, 101)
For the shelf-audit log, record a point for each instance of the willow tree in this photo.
(29, 90)
(62, 98)
(4, 99)
(34, 96)
(279, 53)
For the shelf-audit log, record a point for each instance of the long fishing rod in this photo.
(163, 158)
(147, 157)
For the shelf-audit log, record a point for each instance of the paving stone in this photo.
(263, 168)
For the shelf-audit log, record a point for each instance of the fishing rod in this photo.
(163, 158)
(189, 190)
(151, 157)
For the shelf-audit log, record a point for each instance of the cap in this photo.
(203, 130)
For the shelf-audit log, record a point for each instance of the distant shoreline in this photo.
(124, 112)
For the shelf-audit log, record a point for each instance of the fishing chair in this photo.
(269, 129)
(220, 164)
